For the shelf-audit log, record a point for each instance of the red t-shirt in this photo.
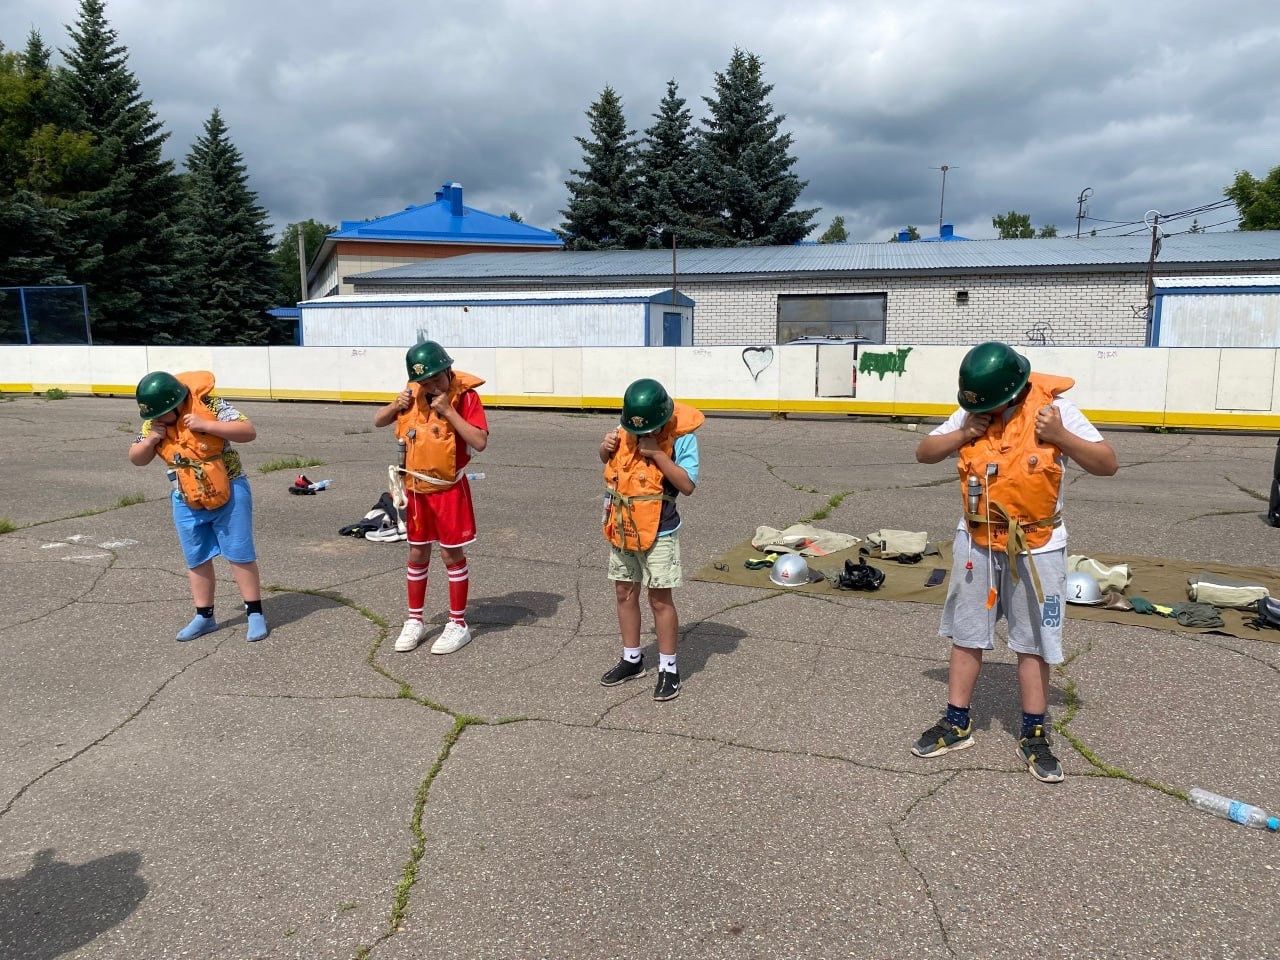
(472, 411)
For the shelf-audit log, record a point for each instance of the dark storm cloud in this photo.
(347, 113)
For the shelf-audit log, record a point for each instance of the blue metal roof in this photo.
(1189, 250)
(446, 221)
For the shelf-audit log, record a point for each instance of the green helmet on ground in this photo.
(158, 393)
(646, 407)
(991, 375)
(425, 360)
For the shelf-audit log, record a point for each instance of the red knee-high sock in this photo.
(416, 578)
(459, 583)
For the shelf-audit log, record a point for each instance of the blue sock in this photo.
(1030, 721)
(958, 716)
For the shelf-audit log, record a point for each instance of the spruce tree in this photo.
(285, 254)
(669, 186)
(746, 163)
(229, 258)
(601, 214)
(124, 227)
(39, 163)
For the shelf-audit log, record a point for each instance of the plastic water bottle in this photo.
(475, 476)
(172, 474)
(1245, 814)
(321, 485)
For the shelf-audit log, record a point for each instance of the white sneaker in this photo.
(411, 634)
(453, 637)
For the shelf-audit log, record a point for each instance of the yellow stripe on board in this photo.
(1193, 420)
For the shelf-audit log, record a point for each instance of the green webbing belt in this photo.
(623, 502)
(196, 467)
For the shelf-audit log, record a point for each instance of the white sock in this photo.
(631, 654)
(667, 663)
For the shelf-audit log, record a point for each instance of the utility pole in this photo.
(302, 264)
(943, 200)
(1154, 222)
(1085, 194)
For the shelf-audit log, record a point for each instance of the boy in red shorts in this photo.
(440, 420)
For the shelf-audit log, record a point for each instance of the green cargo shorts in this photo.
(656, 568)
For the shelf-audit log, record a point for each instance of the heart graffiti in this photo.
(757, 360)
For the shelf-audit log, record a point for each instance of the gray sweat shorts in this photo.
(1033, 628)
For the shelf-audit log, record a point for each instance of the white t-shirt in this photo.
(1075, 421)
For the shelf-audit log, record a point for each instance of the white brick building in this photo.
(1058, 291)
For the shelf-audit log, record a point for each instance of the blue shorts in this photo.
(204, 534)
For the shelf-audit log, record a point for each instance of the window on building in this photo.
(843, 315)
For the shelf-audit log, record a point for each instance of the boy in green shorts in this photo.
(649, 460)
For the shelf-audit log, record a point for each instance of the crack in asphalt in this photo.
(76, 599)
(894, 831)
(119, 726)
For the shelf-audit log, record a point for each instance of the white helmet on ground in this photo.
(790, 570)
(1082, 588)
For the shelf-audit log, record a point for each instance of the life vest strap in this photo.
(624, 503)
(196, 466)
(1016, 541)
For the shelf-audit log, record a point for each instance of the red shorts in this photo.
(446, 518)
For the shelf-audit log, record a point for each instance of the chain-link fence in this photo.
(44, 315)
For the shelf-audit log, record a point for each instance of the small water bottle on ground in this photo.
(1245, 814)
(475, 476)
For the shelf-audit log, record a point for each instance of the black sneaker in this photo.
(622, 671)
(942, 738)
(1035, 753)
(668, 686)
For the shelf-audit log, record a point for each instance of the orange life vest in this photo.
(1017, 509)
(196, 457)
(432, 446)
(633, 484)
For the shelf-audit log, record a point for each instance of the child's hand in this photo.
(156, 436)
(404, 399)
(647, 447)
(1049, 426)
(975, 425)
(192, 422)
(610, 442)
(440, 404)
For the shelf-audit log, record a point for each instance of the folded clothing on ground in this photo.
(801, 538)
(1197, 615)
(1115, 577)
(891, 543)
(1224, 592)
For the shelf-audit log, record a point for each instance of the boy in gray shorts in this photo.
(1012, 437)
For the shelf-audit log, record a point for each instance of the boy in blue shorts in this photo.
(1012, 437)
(191, 429)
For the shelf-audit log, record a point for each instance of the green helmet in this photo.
(158, 393)
(425, 360)
(991, 374)
(646, 407)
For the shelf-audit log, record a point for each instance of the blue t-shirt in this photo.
(685, 454)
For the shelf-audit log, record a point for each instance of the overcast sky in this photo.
(351, 111)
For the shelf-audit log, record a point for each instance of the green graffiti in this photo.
(882, 363)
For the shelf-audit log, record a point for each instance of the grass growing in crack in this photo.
(1247, 490)
(1063, 726)
(129, 500)
(7, 525)
(56, 393)
(832, 504)
(290, 463)
(419, 847)
(352, 431)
